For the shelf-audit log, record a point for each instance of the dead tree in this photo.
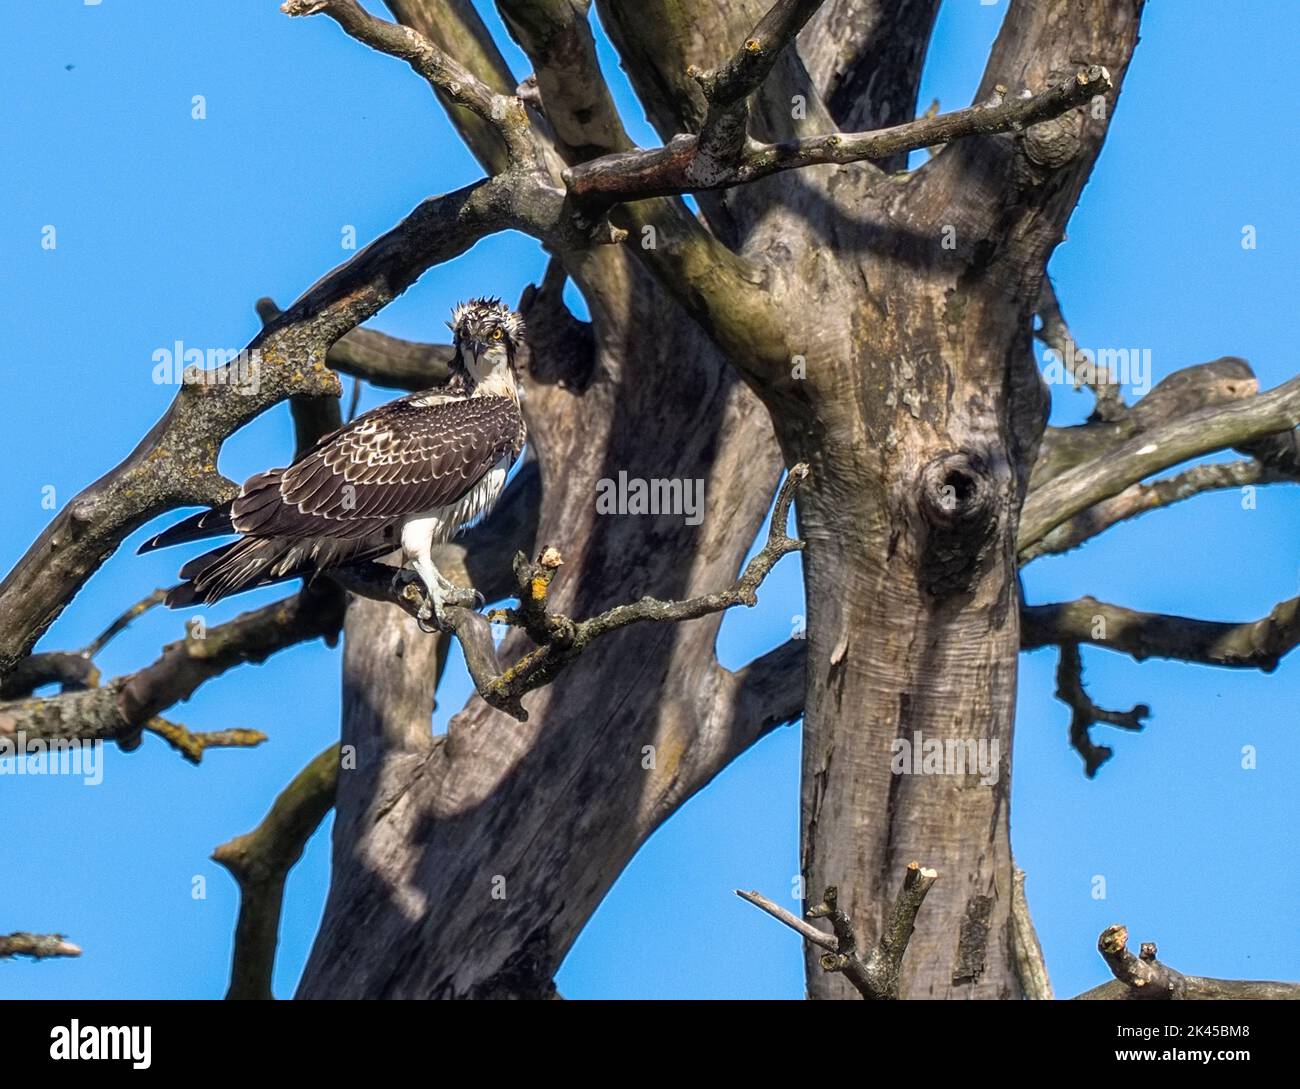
(827, 308)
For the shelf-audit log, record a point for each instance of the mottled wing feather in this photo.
(404, 458)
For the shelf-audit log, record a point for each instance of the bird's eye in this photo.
(497, 334)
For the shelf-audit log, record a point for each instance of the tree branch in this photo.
(1219, 382)
(559, 639)
(1085, 714)
(1055, 333)
(1258, 644)
(1139, 498)
(504, 113)
(1031, 965)
(676, 168)
(1144, 978)
(380, 359)
(72, 670)
(121, 623)
(36, 946)
(810, 933)
(1180, 439)
(728, 294)
(260, 862)
(727, 88)
(192, 745)
(556, 35)
(769, 691)
(124, 707)
(456, 28)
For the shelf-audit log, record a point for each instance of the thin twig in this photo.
(810, 932)
(1055, 333)
(559, 638)
(122, 622)
(192, 745)
(877, 976)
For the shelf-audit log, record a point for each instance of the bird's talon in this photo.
(464, 597)
(430, 619)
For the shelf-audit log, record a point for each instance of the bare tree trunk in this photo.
(926, 427)
(913, 642)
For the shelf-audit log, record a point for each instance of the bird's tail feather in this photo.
(251, 562)
(209, 523)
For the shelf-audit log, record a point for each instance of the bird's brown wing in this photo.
(403, 458)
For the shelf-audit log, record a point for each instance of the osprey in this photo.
(409, 474)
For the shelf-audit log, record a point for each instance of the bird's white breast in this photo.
(443, 523)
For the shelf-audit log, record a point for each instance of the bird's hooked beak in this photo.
(473, 348)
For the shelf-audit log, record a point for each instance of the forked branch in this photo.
(727, 88)
(1084, 714)
(121, 709)
(1178, 440)
(1144, 977)
(875, 976)
(1138, 499)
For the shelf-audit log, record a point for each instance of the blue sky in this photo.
(168, 228)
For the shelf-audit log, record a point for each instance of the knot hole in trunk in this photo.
(958, 502)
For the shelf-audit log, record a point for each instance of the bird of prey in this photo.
(409, 474)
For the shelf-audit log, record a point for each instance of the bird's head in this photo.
(486, 335)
